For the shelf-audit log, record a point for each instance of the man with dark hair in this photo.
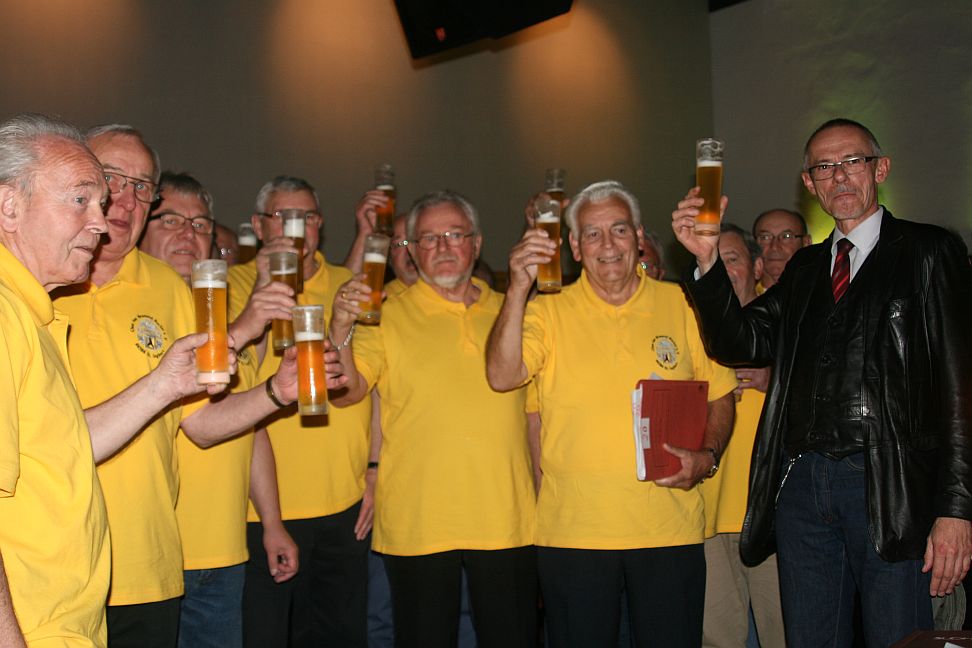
(780, 233)
(862, 472)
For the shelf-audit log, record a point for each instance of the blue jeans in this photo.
(212, 608)
(826, 553)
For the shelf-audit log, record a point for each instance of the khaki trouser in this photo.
(730, 588)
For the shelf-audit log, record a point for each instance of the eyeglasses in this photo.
(226, 253)
(170, 221)
(310, 216)
(765, 238)
(144, 190)
(850, 166)
(452, 239)
(400, 244)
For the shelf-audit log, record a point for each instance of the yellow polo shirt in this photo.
(53, 524)
(725, 494)
(321, 461)
(394, 288)
(587, 356)
(214, 488)
(119, 331)
(455, 468)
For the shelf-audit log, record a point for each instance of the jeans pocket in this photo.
(855, 461)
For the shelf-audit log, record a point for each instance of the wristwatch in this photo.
(715, 463)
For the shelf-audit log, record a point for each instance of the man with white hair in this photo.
(454, 488)
(600, 530)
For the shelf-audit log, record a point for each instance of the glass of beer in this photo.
(548, 219)
(295, 227)
(554, 186)
(283, 268)
(385, 182)
(209, 300)
(708, 176)
(375, 257)
(247, 240)
(311, 379)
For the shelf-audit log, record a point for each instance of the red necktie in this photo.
(840, 278)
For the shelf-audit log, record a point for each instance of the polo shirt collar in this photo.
(588, 291)
(430, 300)
(18, 279)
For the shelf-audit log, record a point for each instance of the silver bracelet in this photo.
(347, 340)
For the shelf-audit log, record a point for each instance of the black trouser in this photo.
(502, 592)
(665, 590)
(325, 604)
(144, 625)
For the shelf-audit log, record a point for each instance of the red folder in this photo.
(667, 411)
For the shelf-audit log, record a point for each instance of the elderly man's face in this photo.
(779, 234)
(742, 270)
(124, 155)
(445, 266)
(607, 243)
(399, 258)
(182, 246)
(270, 227)
(56, 231)
(849, 199)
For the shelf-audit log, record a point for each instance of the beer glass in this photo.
(708, 176)
(295, 227)
(209, 301)
(385, 182)
(375, 256)
(283, 268)
(247, 241)
(311, 379)
(554, 186)
(548, 219)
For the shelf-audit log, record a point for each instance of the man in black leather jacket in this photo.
(862, 471)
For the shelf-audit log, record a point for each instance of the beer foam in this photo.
(280, 273)
(248, 239)
(709, 163)
(294, 229)
(374, 257)
(547, 217)
(208, 283)
(308, 336)
(385, 187)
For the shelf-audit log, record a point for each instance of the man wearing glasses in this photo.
(862, 471)
(320, 465)
(123, 319)
(780, 233)
(455, 487)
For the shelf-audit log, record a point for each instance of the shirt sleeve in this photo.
(13, 346)
(722, 380)
(369, 353)
(535, 339)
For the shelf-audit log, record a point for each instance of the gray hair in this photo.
(282, 184)
(21, 146)
(186, 184)
(129, 131)
(842, 122)
(601, 192)
(443, 197)
(748, 240)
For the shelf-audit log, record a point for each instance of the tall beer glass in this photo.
(295, 227)
(385, 182)
(554, 186)
(209, 300)
(548, 219)
(247, 241)
(311, 379)
(708, 176)
(375, 257)
(283, 268)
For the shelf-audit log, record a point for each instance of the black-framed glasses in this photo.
(145, 191)
(452, 239)
(310, 216)
(170, 221)
(766, 238)
(851, 165)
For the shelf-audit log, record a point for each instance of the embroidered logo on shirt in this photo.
(666, 351)
(150, 337)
